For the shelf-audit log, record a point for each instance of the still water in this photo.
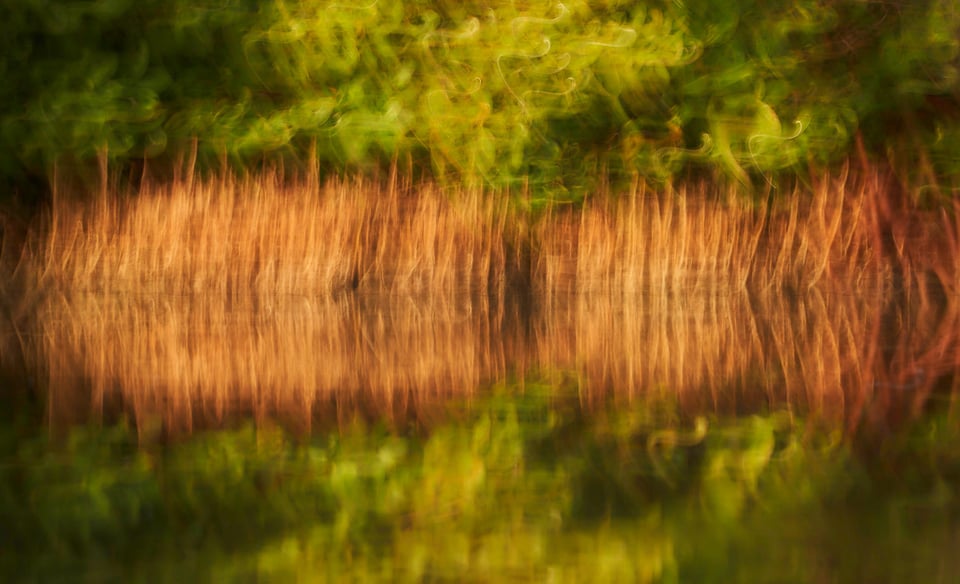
(585, 437)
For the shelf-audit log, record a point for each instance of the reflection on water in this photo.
(655, 387)
(522, 489)
(185, 362)
(605, 437)
(190, 359)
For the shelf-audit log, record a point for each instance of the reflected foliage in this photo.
(523, 487)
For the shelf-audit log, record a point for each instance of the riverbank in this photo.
(188, 302)
(263, 234)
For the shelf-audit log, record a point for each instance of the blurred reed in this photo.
(194, 300)
(265, 235)
(195, 361)
(190, 362)
(850, 359)
(702, 238)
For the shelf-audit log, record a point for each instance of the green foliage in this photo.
(552, 92)
(523, 488)
(91, 491)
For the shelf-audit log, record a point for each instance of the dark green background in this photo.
(557, 93)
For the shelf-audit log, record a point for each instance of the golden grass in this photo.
(192, 301)
(262, 235)
(647, 243)
(701, 239)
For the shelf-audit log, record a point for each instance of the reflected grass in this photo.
(180, 363)
(192, 361)
(860, 358)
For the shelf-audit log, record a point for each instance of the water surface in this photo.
(601, 437)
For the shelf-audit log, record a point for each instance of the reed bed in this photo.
(646, 243)
(263, 235)
(191, 301)
(701, 239)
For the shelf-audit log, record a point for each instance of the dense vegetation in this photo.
(557, 93)
(544, 98)
(524, 488)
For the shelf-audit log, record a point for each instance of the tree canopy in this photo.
(550, 92)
